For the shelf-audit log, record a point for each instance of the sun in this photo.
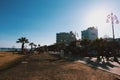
(97, 17)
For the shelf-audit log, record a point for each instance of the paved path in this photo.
(112, 67)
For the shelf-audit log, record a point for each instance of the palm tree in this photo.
(38, 45)
(39, 49)
(35, 46)
(31, 44)
(22, 40)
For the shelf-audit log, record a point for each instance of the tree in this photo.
(60, 46)
(39, 49)
(38, 45)
(71, 47)
(115, 48)
(100, 46)
(22, 40)
(45, 47)
(35, 46)
(85, 43)
(31, 44)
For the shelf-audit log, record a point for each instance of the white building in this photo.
(91, 33)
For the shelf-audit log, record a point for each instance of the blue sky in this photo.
(40, 20)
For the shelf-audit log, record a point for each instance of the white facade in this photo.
(91, 33)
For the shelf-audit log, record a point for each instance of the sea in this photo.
(10, 49)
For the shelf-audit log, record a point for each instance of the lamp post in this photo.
(113, 19)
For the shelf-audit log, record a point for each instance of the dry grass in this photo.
(7, 59)
(83, 72)
(47, 67)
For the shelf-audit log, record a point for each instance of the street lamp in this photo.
(113, 19)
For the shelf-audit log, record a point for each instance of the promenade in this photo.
(110, 66)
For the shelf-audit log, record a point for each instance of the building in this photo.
(91, 33)
(64, 37)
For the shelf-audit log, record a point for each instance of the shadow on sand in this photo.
(93, 63)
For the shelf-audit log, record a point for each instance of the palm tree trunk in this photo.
(22, 48)
(31, 49)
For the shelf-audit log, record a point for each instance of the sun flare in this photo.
(97, 17)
